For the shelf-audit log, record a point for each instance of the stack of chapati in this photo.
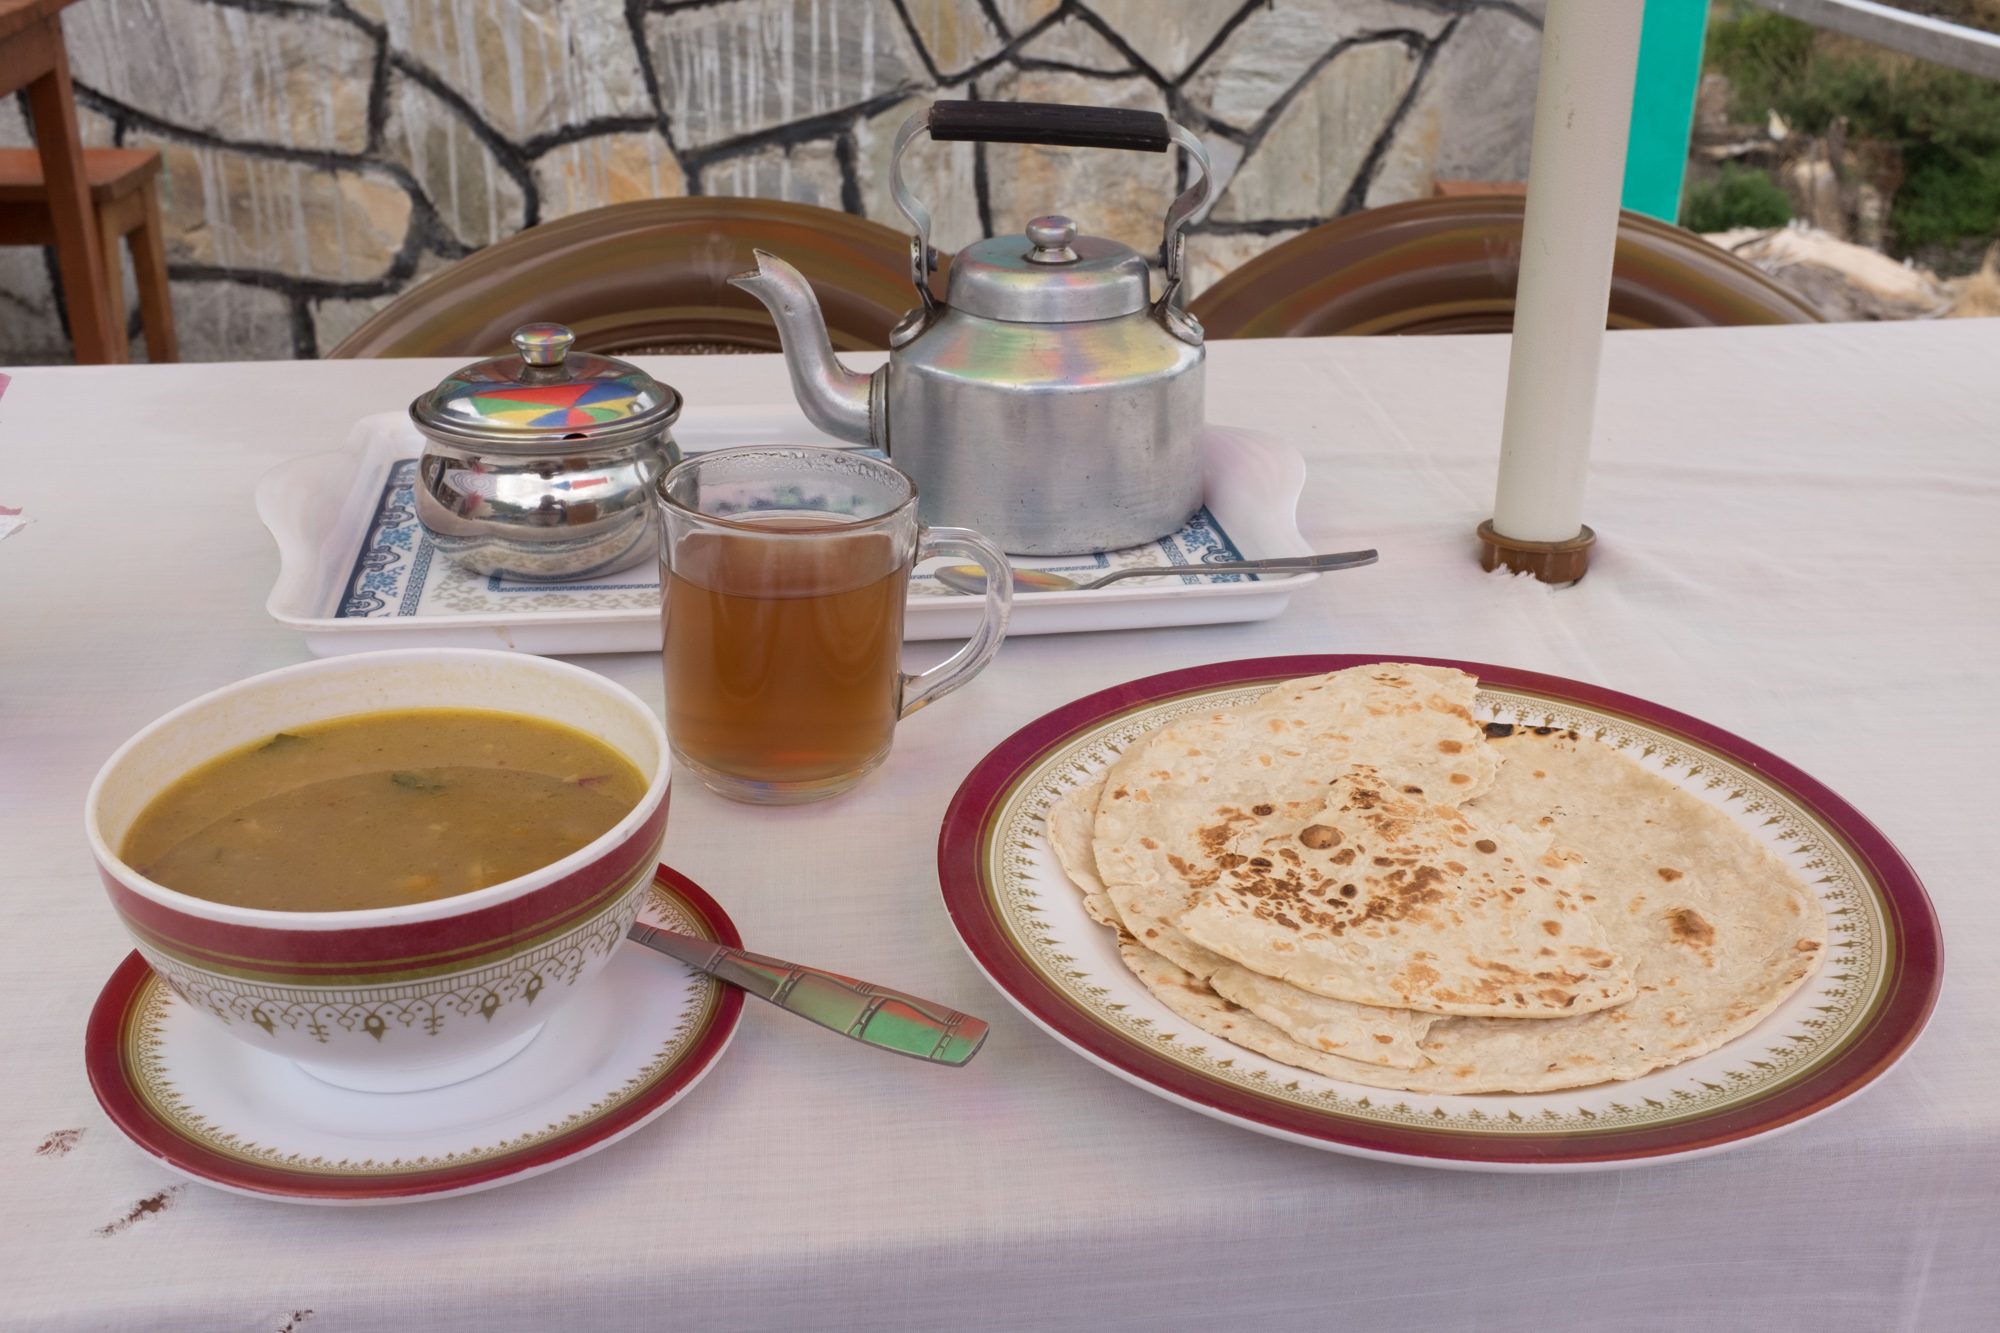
(1351, 876)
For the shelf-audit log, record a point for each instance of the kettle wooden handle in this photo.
(1055, 123)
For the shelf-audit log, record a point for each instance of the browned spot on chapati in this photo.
(1669, 874)
(1689, 927)
(1319, 836)
(1261, 810)
(1450, 747)
(1384, 1038)
(1149, 844)
(1460, 779)
(1552, 927)
(1487, 845)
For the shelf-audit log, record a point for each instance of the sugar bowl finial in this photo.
(543, 344)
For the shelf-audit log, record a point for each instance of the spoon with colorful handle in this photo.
(872, 1015)
(972, 579)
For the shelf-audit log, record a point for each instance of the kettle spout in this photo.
(835, 398)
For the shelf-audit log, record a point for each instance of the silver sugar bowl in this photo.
(540, 465)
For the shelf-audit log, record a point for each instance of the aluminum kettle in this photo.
(1048, 401)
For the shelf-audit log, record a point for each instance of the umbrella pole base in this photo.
(1551, 562)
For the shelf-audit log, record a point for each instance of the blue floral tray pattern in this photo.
(398, 572)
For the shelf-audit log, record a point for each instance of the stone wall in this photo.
(323, 155)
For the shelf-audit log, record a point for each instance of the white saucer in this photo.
(219, 1111)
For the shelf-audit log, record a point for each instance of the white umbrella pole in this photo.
(1583, 110)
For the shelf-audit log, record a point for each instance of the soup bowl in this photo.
(400, 998)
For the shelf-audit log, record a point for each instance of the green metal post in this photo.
(1670, 46)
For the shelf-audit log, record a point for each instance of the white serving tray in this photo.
(356, 572)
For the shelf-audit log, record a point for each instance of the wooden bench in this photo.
(124, 202)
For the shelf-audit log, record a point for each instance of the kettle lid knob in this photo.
(1051, 236)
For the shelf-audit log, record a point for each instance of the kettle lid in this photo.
(1050, 275)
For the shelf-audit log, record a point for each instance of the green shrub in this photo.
(1762, 54)
(1945, 124)
(1740, 197)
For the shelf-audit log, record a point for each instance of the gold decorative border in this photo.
(423, 1006)
(1859, 945)
(156, 1088)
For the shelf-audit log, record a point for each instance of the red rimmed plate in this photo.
(213, 1108)
(1025, 927)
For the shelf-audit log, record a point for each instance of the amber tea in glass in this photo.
(784, 573)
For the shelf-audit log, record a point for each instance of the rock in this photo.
(30, 330)
(236, 210)
(1814, 187)
(14, 124)
(1977, 296)
(1842, 280)
(96, 131)
(231, 321)
(957, 33)
(607, 169)
(1109, 193)
(1074, 42)
(1166, 47)
(807, 173)
(1306, 161)
(527, 67)
(296, 79)
(939, 174)
(1472, 115)
(1211, 255)
(1021, 15)
(477, 198)
(726, 71)
(333, 318)
(1279, 44)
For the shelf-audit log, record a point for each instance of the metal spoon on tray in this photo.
(972, 579)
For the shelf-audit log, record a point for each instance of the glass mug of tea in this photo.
(783, 575)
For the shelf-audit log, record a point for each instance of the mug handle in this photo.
(925, 686)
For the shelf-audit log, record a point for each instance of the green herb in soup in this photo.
(381, 809)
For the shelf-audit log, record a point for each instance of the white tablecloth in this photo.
(1800, 542)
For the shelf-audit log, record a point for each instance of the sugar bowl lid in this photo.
(544, 392)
